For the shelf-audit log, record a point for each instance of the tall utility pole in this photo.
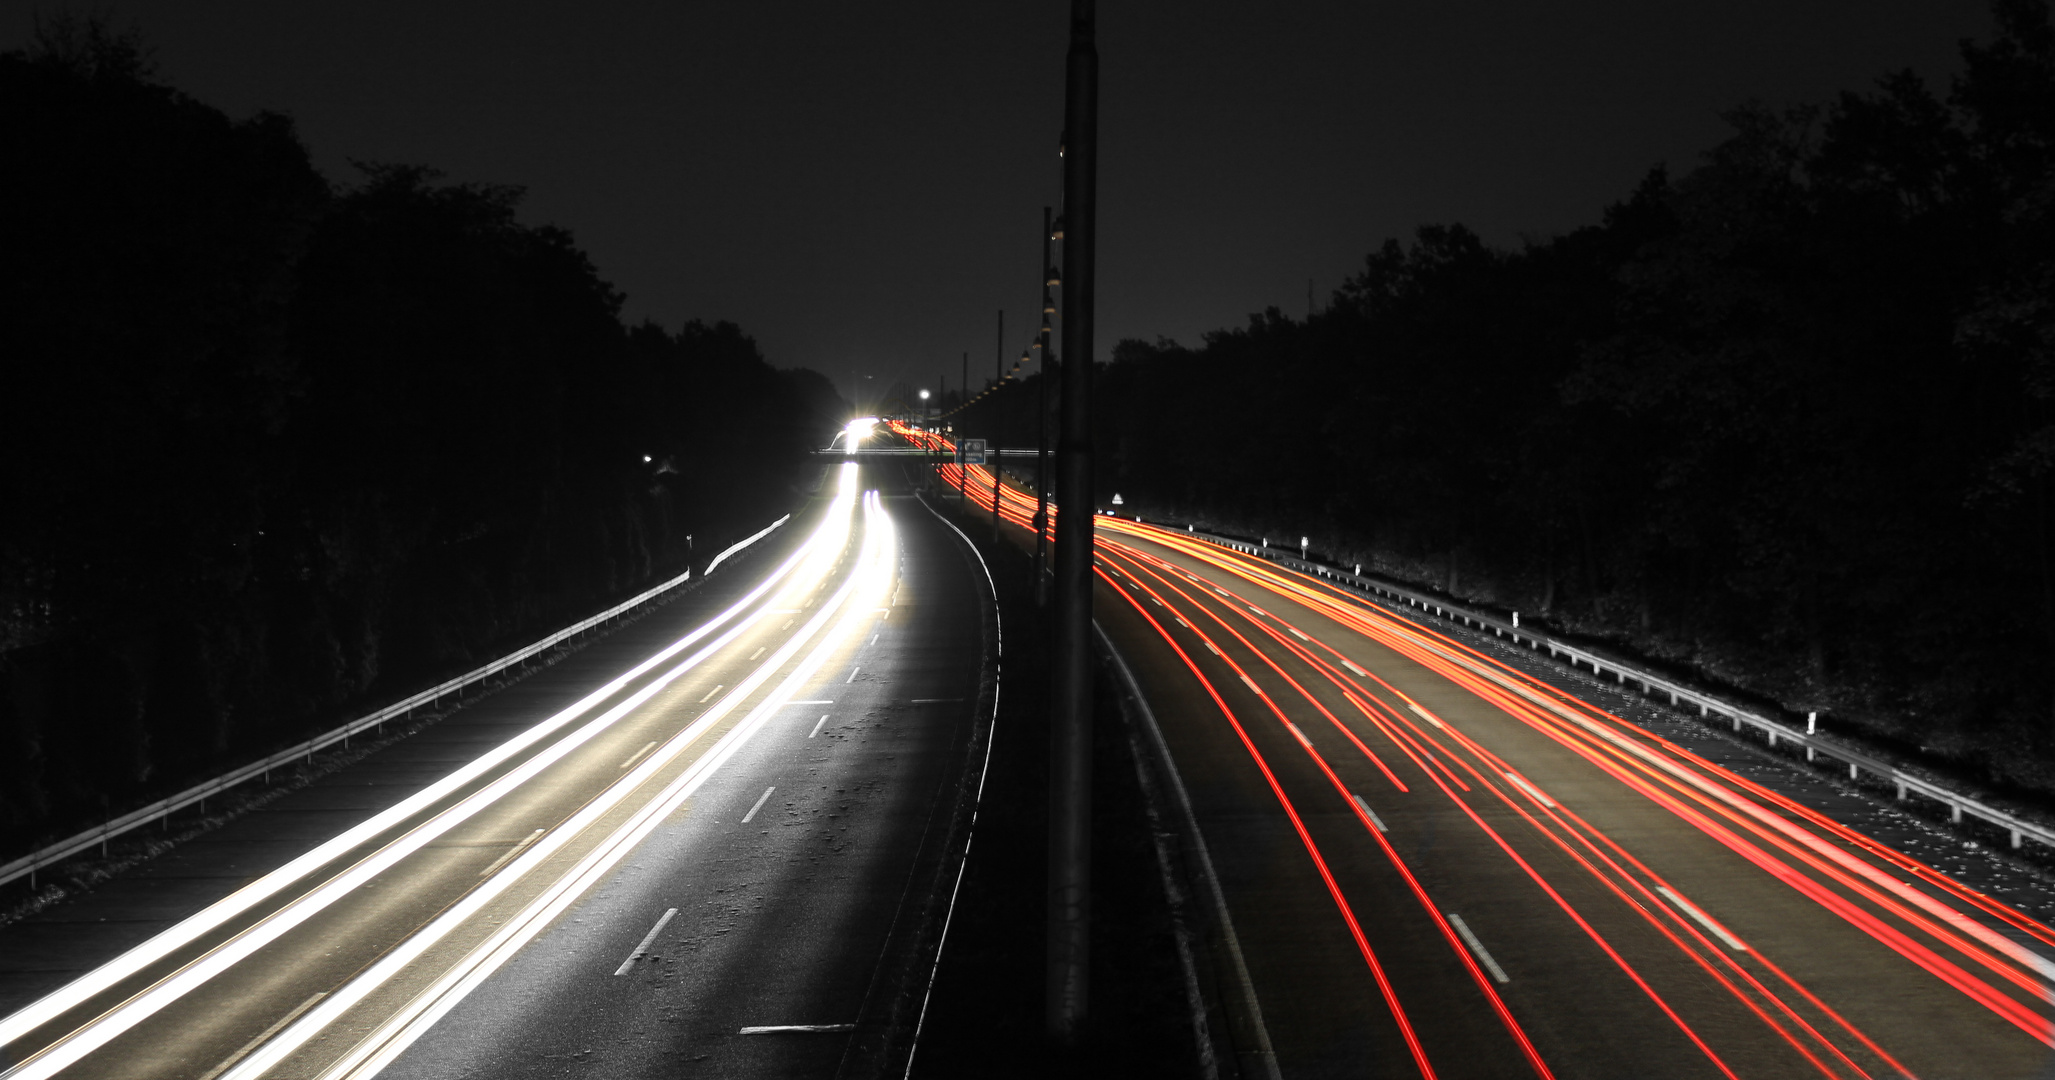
(1042, 431)
(963, 475)
(1070, 742)
(998, 421)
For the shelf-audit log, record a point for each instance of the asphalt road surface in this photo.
(1434, 864)
(726, 860)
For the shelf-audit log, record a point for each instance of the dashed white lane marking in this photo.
(1299, 735)
(852, 673)
(1296, 634)
(1183, 623)
(785, 611)
(1530, 789)
(710, 695)
(511, 852)
(1355, 669)
(1427, 716)
(1251, 683)
(760, 800)
(757, 653)
(637, 755)
(647, 940)
(818, 724)
(819, 701)
(229, 1061)
(936, 700)
(1215, 650)
(1369, 813)
(787, 626)
(1688, 908)
(874, 639)
(1477, 947)
(796, 1029)
(1258, 611)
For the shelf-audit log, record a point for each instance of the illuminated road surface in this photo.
(1438, 866)
(742, 832)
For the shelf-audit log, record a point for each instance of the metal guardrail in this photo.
(1815, 745)
(28, 865)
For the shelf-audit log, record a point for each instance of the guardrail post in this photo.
(1853, 772)
(1955, 813)
(1901, 792)
(2015, 839)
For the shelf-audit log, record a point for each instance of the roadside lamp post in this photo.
(1066, 986)
(925, 423)
(1042, 426)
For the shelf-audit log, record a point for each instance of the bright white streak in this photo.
(382, 1047)
(146, 1003)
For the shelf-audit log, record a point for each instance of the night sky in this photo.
(860, 185)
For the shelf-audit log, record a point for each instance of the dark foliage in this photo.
(1785, 417)
(271, 449)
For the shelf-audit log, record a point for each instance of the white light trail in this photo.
(88, 1037)
(401, 1030)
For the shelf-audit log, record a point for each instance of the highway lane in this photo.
(367, 940)
(1439, 866)
(746, 939)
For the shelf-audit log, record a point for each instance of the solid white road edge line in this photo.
(1264, 1052)
(647, 939)
(977, 801)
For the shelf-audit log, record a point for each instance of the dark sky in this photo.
(860, 185)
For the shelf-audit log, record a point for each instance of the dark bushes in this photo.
(271, 449)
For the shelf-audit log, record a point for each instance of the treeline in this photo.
(1784, 418)
(272, 448)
